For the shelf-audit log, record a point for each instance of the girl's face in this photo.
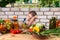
(30, 16)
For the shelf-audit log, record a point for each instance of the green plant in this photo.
(3, 3)
(49, 3)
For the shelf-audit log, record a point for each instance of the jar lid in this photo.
(14, 17)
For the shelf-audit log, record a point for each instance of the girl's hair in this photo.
(33, 13)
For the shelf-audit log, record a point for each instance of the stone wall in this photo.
(44, 14)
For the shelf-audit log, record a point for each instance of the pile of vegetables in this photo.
(8, 24)
(38, 27)
(54, 27)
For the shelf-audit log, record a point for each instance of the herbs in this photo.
(55, 31)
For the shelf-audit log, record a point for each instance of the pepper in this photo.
(36, 29)
(31, 30)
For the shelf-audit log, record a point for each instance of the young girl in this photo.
(31, 17)
(29, 20)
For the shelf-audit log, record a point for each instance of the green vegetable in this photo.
(55, 31)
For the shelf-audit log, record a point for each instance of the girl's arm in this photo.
(33, 19)
(27, 20)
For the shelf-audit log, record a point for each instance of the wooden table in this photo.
(17, 37)
(24, 37)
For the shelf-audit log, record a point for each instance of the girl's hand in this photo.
(35, 16)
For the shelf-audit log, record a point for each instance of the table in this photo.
(17, 37)
(24, 37)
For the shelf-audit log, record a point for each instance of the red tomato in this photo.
(30, 30)
(11, 30)
(20, 31)
(15, 31)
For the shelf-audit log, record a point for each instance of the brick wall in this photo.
(44, 14)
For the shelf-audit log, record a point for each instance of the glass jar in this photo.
(52, 23)
(15, 23)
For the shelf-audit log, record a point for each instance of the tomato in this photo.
(11, 30)
(30, 30)
(15, 31)
(20, 31)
